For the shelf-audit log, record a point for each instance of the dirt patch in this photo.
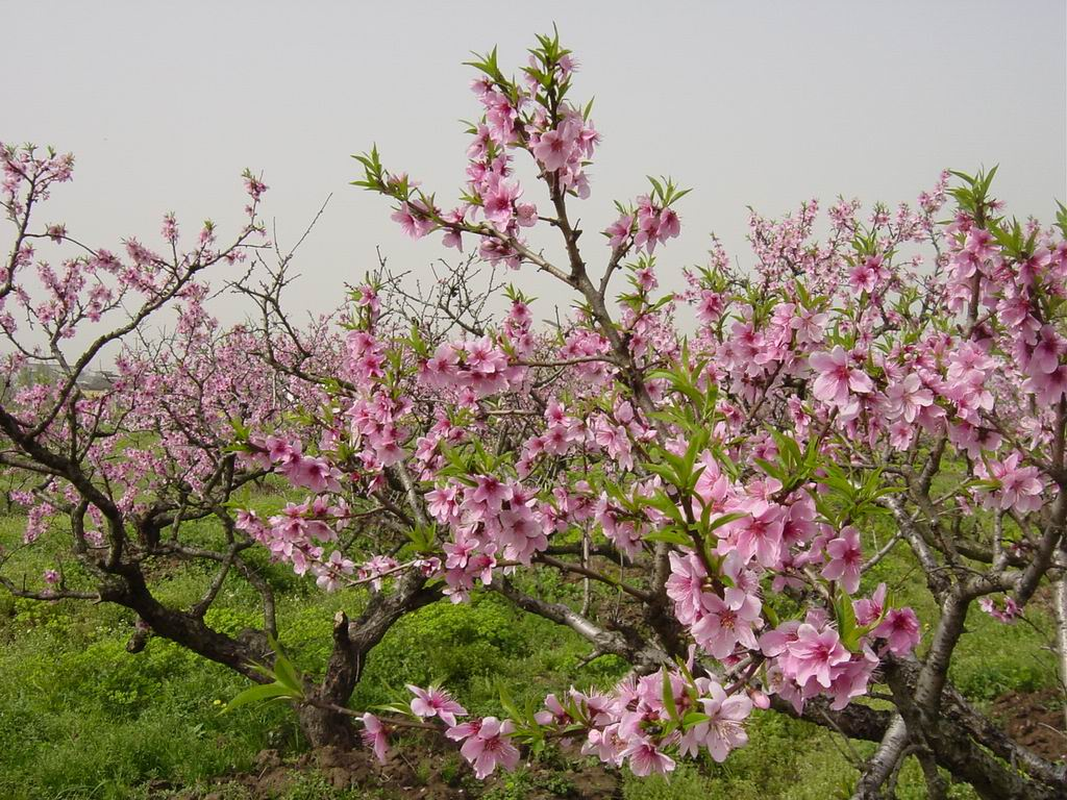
(413, 774)
(1035, 720)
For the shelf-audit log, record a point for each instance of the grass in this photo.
(82, 718)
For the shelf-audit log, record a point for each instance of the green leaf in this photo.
(284, 670)
(240, 430)
(772, 615)
(694, 718)
(424, 538)
(401, 709)
(726, 519)
(668, 696)
(508, 704)
(259, 693)
(846, 623)
(662, 503)
(773, 470)
(671, 535)
(666, 472)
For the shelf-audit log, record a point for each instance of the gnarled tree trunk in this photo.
(324, 718)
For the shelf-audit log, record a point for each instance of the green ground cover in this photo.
(80, 717)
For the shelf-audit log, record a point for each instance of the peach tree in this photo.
(903, 374)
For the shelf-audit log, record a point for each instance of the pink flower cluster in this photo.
(297, 535)
(286, 457)
(489, 518)
(474, 369)
(632, 724)
(486, 741)
(635, 725)
(564, 149)
(808, 658)
(1007, 611)
(649, 226)
(723, 610)
(812, 389)
(559, 137)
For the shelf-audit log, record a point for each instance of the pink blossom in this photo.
(670, 225)
(435, 702)
(685, 586)
(720, 628)
(814, 654)
(553, 149)
(759, 534)
(646, 759)
(490, 493)
(907, 398)
(331, 573)
(869, 610)
(606, 745)
(836, 378)
(499, 201)
(619, 231)
(723, 731)
(487, 745)
(900, 629)
(374, 736)
(1008, 614)
(1019, 487)
(415, 224)
(846, 558)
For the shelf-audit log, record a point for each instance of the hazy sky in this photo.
(762, 104)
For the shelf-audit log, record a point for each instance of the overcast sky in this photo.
(762, 104)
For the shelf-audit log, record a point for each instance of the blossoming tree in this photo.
(726, 482)
(122, 470)
(902, 377)
(118, 474)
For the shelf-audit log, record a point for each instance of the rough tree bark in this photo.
(352, 642)
(1060, 603)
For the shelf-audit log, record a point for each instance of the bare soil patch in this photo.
(435, 776)
(1035, 720)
